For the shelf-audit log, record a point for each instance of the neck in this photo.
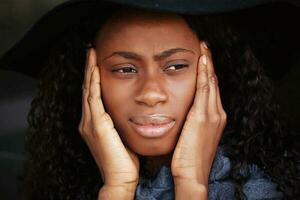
(152, 164)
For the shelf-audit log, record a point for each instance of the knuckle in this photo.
(223, 119)
(213, 79)
(79, 128)
(104, 117)
(223, 115)
(91, 68)
(84, 89)
(215, 119)
(92, 98)
(98, 83)
(203, 70)
(104, 125)
(84, 128)
(204, 87)
(82, 132)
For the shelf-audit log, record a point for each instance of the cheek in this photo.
(114, 97)
(183, 94)
(184, 91)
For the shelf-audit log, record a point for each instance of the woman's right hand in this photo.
(119, 166)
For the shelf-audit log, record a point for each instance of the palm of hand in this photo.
(118, 165)
(196, 147)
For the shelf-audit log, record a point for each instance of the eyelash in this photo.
(117, 70)
(181, 66)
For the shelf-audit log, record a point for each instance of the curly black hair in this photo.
(58, 162)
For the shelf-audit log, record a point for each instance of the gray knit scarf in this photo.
(220, 187)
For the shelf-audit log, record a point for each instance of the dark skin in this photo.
(153, 85)
(189, 94)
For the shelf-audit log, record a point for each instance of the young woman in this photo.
(160, 106)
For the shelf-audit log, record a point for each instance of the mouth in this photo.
(152, 126)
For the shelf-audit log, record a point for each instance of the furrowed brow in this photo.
(160, 56)
(170, 52)
(125, 54)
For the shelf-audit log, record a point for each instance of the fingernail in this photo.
(204, 59)
(204, 45)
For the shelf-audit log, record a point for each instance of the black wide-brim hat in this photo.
(273, 28)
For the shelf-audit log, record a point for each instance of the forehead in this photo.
(142, 26)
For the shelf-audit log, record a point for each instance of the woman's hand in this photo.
(119, 167)
(197, 145)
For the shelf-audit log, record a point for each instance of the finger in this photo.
(90, 62)
(109, 142)
(100, 119)
(95, 102)
(219, 103)
(202, 88)
(212, 81)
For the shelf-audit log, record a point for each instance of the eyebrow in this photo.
(160, 56)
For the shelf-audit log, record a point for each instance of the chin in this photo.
(152, 148)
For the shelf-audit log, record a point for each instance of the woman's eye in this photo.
(176, 67)
(125, 70)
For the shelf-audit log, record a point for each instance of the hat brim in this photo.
(199, 6)
(26, 55)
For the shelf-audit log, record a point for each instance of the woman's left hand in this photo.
(201, 133)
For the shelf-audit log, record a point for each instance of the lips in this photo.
(152, 126)
(156, 119)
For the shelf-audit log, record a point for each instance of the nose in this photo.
(152, 91)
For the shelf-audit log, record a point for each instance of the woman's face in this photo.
(148, 67)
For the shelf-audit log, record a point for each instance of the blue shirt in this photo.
(220, 187)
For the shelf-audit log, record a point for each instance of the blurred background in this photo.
(17, 91)
(17, 16)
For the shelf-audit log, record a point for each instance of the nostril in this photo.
(151, 98)
(152, 91)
